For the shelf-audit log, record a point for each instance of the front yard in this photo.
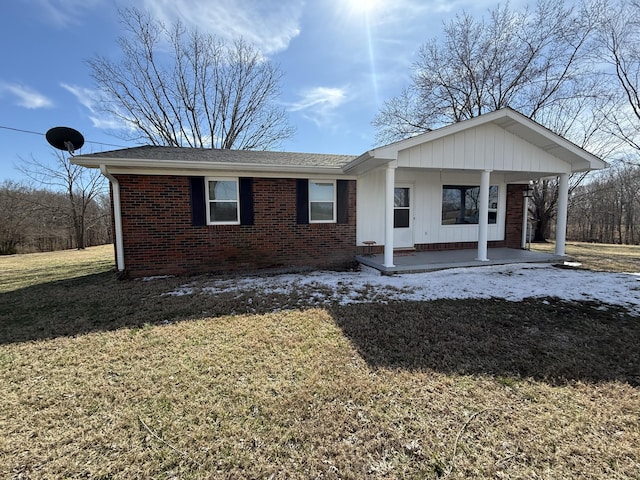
(101, 378)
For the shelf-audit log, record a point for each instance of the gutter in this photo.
(160, 165)
(117, 217)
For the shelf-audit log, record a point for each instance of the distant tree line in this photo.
(607, 209)
(68, 208)
(41, 220)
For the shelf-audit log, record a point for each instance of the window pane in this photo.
(223, 211)
(223, 190)
(321, 211)
(460, 204)
(320, 192)
(401, 197)
(401, 218)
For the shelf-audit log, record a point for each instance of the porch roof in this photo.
(569, 157)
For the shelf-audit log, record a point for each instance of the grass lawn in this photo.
(599, 256)
(102, 378)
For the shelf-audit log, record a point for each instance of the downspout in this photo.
(117, 217)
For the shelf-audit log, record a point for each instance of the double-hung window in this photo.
(322, 201)
(223, 205)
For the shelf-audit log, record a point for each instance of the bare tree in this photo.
(186, 88)
(607, 208)
(79, 185)
(620, 42)
(16, 213)
(530, 61)
(537, 61)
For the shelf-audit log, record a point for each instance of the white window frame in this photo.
(236, 201)
(334, 200)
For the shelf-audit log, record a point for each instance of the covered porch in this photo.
(417, 262)
(464, 183)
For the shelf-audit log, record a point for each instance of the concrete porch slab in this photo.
(417, 262)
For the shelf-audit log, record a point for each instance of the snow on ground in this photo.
(512, 282)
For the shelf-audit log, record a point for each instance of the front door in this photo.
(402, 217)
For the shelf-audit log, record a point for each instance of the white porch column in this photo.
(483, 215)
(390, 182)
(561, 222)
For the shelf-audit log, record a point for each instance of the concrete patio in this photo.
(416, 262)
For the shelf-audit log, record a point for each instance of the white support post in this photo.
(561, 222)
(483, 215)
(390, 181)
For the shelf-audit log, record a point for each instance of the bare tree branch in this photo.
(185, 88)
(79, 185)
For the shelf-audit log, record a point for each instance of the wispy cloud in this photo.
(270, 25)
(89, 99)
(319, 104)
(26, 97)
(64, 13)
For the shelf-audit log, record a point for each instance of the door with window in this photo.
(402, 216)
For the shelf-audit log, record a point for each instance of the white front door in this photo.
(403, 216)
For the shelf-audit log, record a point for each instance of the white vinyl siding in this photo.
(426, 206)
(487, 147)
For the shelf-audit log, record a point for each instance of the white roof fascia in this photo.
(160, 167)
(366, 162)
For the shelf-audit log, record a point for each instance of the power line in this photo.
(42, 134)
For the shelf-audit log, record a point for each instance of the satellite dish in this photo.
(65, 138)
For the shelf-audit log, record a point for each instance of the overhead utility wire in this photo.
(38, 133)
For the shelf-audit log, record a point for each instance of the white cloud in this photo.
(319, 104)
(86, 96)
(26, 96)
(268, 25)
(64, 13)
(89, 98)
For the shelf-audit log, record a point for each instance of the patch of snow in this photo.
(181, 292)
(572, 264)
(155, 277)
(513, 282)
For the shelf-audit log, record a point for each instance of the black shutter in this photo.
(198, 210)
(343, 201)
(246, 201)
(302, 201)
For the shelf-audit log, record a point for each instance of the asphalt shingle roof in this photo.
(231, 157)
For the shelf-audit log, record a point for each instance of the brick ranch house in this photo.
(185, 211)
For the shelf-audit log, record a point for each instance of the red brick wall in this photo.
(159, 237)
(513, 225)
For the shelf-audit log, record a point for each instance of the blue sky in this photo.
(340, 59)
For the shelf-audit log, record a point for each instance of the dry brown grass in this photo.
(19, 271)
(101, 378)
(599, 256)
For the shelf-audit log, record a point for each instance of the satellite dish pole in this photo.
(65, 138)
